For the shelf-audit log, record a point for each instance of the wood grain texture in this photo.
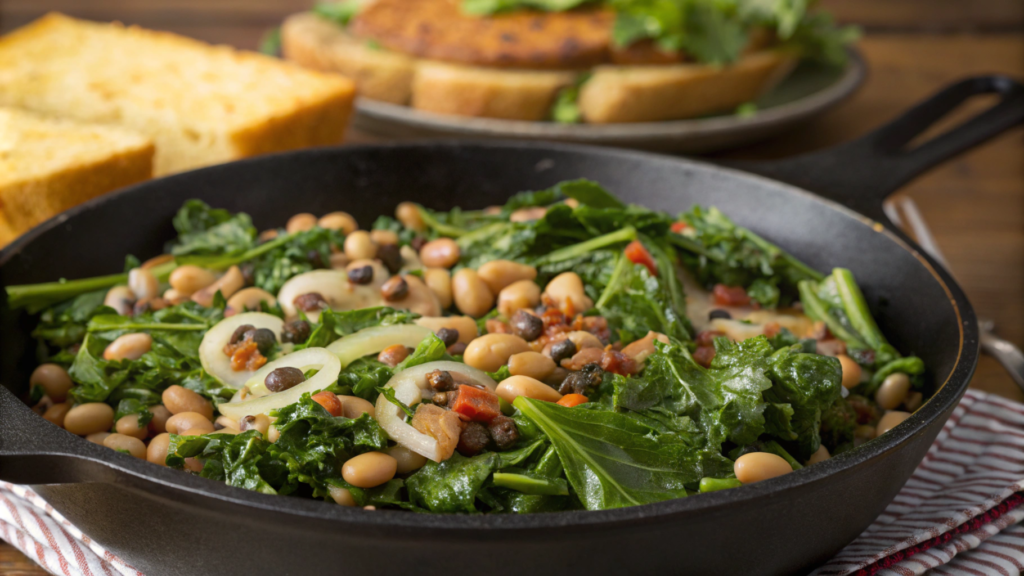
(974, 204)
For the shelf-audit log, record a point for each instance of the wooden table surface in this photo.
(974, 204)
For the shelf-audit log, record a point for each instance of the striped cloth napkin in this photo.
(960, 513)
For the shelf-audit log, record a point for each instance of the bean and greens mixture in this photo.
(563, 351)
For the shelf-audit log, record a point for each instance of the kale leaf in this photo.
(205, 231)
(453, 485)
(718, 251)
(612, 460)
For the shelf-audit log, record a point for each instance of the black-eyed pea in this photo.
(97, 437)
(492, 351)
(440, 253)
(382, 237)
(223, 422)
(158, 423)
(409, 215)
(341, 496)
(532, 364)
(258, 422)
(890, 420)
(354, 407)
(339, 261)
(566, 289)
(186, 280)
(129, 426)
(515, 386)
(53, 379)
(128, 347)
(121, 299)
(232, 281)
(820, 455)
(758, 466)
(464, 325)
(143, 283)
(128, 444)
(369, 470)
(338, 221)
(893, 391)
(528, 214)
(501, 273)
(913, 401)
(156, 452)
(640, 349)
(583, 339)
(359, 246)
(189, 424)
(301, 222)
(178, 399)
(471, 294)
(89, 418)
(393, 355)
(157, 261)
(273, 434)
(439, 280)
(55, 414)
(193, 465)
(407, 460)
(250, 299)
(851, 371)
(523, 294)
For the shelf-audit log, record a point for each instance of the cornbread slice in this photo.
(200, 104)
(49, 165)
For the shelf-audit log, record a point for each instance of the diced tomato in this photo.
(707, 337)
(476, 404)
(771, 329)
(637, 254)
(329, 401)
(618, 363)
(703, 355)
(570, 400)
(246, 356)
(730, 295)
(678, 227)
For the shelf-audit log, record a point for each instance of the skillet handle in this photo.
(33, 451)
(862, 173)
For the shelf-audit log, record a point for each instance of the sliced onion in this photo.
(376, 338)
(411, 388)
(262, 401)
(211, 349)
(334, 286)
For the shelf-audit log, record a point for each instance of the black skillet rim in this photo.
(141, 476)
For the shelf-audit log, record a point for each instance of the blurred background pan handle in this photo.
(862, 173)
(904, 213)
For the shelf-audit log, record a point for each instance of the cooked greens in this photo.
(653, 403)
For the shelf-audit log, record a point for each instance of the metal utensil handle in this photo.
(1006, 353)
(861, 173)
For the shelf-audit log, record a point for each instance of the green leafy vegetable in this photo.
(389, 393)
(453, 485)
(612, 460)
(720, 252)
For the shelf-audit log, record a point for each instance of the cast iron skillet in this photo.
(168, 522)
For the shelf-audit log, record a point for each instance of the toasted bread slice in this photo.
(201, 104)
(486, 92)
(654, 93)
(49, 165)
(316, 43)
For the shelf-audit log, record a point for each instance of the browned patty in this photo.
(438, 30)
